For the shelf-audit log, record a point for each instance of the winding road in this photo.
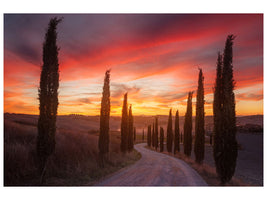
(155, 169)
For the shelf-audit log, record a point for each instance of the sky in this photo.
(153, 57)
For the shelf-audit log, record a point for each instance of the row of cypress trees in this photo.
(225, 148)
(225, 144)
(177, 138)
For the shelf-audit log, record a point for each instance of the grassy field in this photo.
(75, 161)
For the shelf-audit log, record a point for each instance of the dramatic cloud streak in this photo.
(153, 57)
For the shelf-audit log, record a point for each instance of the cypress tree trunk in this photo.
(103, 142)
(130, 132)
(169, 133)
(48, 97)
(199, 147)
(149, 135)
(176, 134)
(124, 125)
(161, 139)
(225, 144)
(156, 133)
(188, 126)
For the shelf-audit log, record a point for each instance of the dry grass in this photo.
(74, 162)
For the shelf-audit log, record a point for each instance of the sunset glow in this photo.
(153, 57)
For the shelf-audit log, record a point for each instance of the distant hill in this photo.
(91, 123)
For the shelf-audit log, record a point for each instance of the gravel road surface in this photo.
(155, 169)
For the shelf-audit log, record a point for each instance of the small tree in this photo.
(169, 133)
(199, 147)
(124, 125)
(176, 134)
(161, 139)
(48, 97)
(103, 142)
(188, 126)
(156, 133)
(130, 131)
(149, 135)
(134, 133)
(153, 136)
(143, 136)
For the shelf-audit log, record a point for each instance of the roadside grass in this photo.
(74, 162)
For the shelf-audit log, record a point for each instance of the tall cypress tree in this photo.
(149, 135)
(169, 133)
(130, 131)
(176, 133)
(199, 147)
(156, 134)
(48, 97)
(124, 125)
(225, 144)
(188, 126)
(103, 142)
(161, 139)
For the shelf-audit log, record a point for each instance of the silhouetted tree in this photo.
(48, 97)
(124, 125)
(149, 135)
(130, 131)
(176, 134)
(188, 126)
(153, 135)
(199, 147)
(169, 133)
(156, 134)
(225, 144)
(211, 139)
(143, 136)
(161, 139)
(134, 133)
(103, 142)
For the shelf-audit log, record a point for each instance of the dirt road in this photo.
(155, 169)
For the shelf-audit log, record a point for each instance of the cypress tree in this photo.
(153, 136)
(103, 142)
(134, 133)
(169, 133)
(188, 126)
(130, 131)
(124, 125)
(48, 97)
(149, 135)
(156, 134)
(225, 144)
(199, 147)
(161, 139)
(176, 133)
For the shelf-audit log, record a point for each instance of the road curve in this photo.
(155, 169)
